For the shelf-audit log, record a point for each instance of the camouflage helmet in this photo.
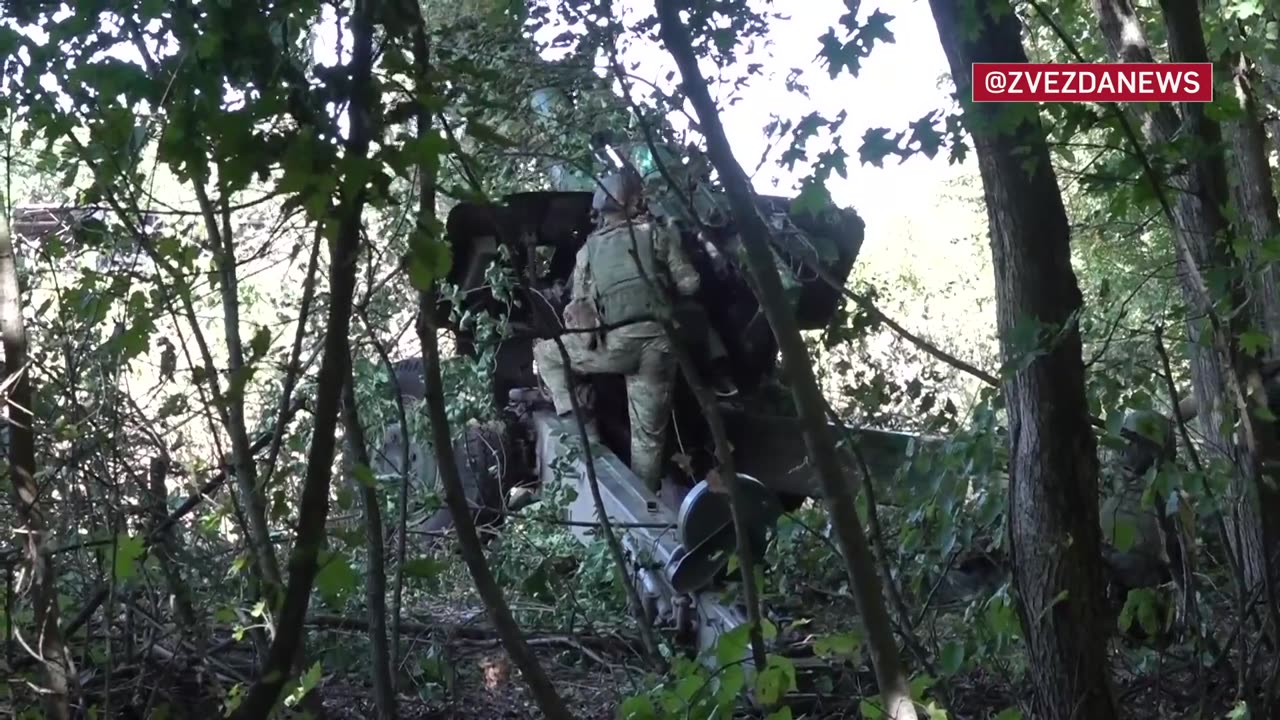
(618, 192)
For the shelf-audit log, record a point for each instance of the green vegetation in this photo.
(221, 223)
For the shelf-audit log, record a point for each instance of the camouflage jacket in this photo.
(606, 271)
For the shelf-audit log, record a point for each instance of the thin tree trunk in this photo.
(616, 551)
(217, 222)
(47, 638)
(294, 369)
(376, 586)
(544, 692)
(1258, 502)
(737, 502)
(402, 522)
(246, 469)
(1054, 529)
(165, 549)
(314, 505)
(1222, 375)
(837, 488)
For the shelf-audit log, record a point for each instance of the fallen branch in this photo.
(451, 632)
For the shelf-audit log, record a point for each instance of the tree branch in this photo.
(314, 505)
(809, 401)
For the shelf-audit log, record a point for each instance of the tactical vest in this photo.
(621, 292)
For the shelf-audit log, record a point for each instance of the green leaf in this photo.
(1009, 713)
(783, 714)
(844, 644)
(813, 198)
(128, 550)
(862, 38)
(364, 475)
(306, 683)
(10, 39)
(429, 261)
(732, 680)
(952, 658)
(1245, 9)
(336, 578)
(872, 708)
(876, 146)
(777, 679)
(487, 135)
(639, 707)
(423, 152)
(1254, 342)
(935, 712)
(732, 646)
(1125, 533)
(261, 341)
(925, 135)
(920, 685)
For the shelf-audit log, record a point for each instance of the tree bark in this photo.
(59, 671)
(837, 488)
(314, 505)
(1223, 376)
(1054, 530)
(513, 640)
(544, 692)
(165, 549)
(1254, 196)
(376, 585)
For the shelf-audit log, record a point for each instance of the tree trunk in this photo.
(376, 584)
(165, 549)
(521, 654)
(1254, 197)
(837, 488)
(314, 504)
(1222, 375)
(47, 636)
(509, 633)
(1053, 470)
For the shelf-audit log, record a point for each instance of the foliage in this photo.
(202, 149)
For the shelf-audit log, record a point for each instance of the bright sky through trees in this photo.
(899, 83)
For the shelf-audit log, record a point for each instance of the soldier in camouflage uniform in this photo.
(609, 290)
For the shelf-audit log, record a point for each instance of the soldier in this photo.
(610, 290)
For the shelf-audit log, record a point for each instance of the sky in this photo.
(919, 243)
(897, 84)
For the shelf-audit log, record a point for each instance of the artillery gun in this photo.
(539, 233)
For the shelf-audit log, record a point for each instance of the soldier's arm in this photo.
(580, 281)
(671, 251)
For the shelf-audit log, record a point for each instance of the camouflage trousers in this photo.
(642, 353)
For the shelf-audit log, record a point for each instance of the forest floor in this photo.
(489, 689)
(455, 668)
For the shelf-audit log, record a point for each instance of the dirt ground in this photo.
(488, 688)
